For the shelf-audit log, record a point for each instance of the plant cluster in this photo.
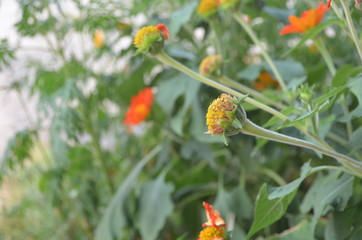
(154, 108)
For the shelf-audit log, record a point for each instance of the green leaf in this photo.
(155, 206)
(355, 86)
(291, 71)
(113, 221)
(356, 139)
(302, 231)
(180, 17)
(268, 211)
(305, 116)
(327, 193)
(313, 32)
(340, 225)
(18, 149)
(250, 73)
(279, 192)
(342, 75)
(235, 202)
(331, 93)
(168, 95)
(274, 120)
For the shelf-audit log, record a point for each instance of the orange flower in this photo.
(265, 80)
(98, 38)
(140, 107)
(213, 217)
(308, 20)
(215, 225)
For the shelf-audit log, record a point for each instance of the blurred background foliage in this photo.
(94, 179)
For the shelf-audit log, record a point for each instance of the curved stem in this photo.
(245, 89)
(273, 175)
(257, 42)
(252, 129)
(173, 63)
(325, 54)
(162, 57)
(351, 28)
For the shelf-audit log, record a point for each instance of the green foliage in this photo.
(98, 178)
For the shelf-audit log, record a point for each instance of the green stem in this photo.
(328, 59)
(273, 175)
(351, 28)
(245, 89)
(257, 42)
(325, 54)
(252, 129)
(97, 152)
(162, 57)
(215, 36)
(321, 168)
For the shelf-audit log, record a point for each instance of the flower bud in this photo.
(151, 37)
(207, 8)
(210, 65)
(225, 116)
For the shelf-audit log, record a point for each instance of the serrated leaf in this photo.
(155, 206)
(114, 220)
(327, 193)
(331, 93)
(356, 139)
(313, 32)
(279, 192)
(268, 211)
(180, 17)
(305, 116)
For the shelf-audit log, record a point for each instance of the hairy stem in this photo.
(252, 129)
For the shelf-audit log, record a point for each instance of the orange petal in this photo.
(297, 23)
(213, 217)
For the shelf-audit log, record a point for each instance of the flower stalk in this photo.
(226, 116)
(325, 54)
(352, 28)
(257, 42)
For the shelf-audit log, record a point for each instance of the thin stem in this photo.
(349, 127)
(245, 89)
(321, 168)
(97, 151)
(173, 63)
(273, 175)
(352, 28)
(325, 54)
(215, 36)
(266, 56)
(252, 129)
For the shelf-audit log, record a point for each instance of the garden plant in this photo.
(177, 120)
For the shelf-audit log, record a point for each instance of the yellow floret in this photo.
(142, 33)
(212, 233)
(207, 7)
(210, 65)
(217, 116)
